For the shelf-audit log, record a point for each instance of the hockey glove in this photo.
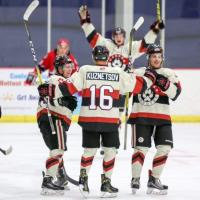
(151, 74)
(162, 82)
(157, 26)
(43, 90)
(69, 102)
(84, 14)
(30, 78)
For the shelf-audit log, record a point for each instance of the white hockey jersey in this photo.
(101, 87)
(118, 56)
(54, 107)
(152, 105)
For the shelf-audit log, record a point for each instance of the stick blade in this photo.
(33, 5)
(139, 22)
(9, 150)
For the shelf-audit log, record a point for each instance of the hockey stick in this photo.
(158, 16)
(7, 151)
(72, 181)
(137, 25)
(31, 8)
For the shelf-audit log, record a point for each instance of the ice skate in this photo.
(50, 188)
(107, 190)
(83, 183)
(135, 185)
(155, 186)
(62, 178)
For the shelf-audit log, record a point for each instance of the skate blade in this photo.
(134, 190)
(49, 192)
(108, 195)
(85, 194)
(155, 191)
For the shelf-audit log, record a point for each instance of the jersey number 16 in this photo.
(105, 100)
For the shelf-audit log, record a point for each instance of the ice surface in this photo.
(21, 171)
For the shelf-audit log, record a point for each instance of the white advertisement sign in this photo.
(16, 98)
(19, 101)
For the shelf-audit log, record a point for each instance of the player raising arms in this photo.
(150, 117)
(60, 108)
(118, 50)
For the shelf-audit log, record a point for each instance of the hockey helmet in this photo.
(100, 53)
(117, 31)
(62, 61)
(154, 48)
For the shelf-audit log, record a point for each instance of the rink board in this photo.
(19, 102)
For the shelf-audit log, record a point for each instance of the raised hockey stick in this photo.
(7, 151)
(31, 8)
(158, 16)
(137, 25)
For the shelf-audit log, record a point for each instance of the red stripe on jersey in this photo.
(41, 112)
(70, 86)
(64, 117)
(139, 85)
(115, 94)
(98, 119)
(150, 115)
(94, 40)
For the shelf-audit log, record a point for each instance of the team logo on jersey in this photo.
(148, 97)
(140, 139)
(117, 60)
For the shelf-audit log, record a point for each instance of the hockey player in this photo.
(47, 62)
(99, 115)
(118, 50)
(60, 108)
(149, 118)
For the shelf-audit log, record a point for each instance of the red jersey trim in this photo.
(150, 115)
(63, 117)
(98, 119)
(94, 40)
(138, 85)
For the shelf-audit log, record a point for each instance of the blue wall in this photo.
(182, 29)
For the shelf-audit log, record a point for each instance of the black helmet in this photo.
(117, 31)
(154, 48)
(100, 53)
(62, 61)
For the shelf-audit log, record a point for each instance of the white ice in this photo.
(21, 171)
